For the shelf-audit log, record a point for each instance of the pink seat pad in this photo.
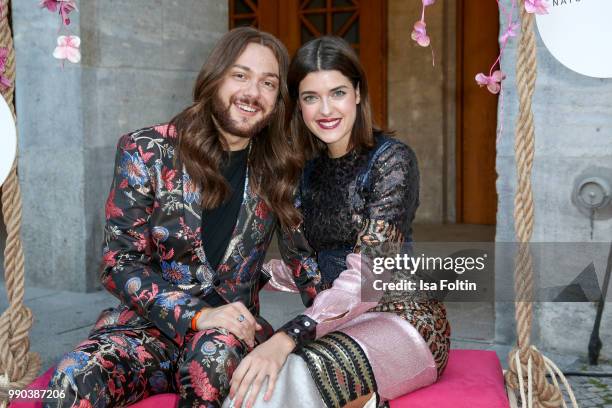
(156, 401)
(472, 379)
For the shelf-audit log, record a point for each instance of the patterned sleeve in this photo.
(391, 208)
(300, 262)
(392, 201)
(127, 271)
(299, 257)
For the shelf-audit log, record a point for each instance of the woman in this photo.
(358, 196)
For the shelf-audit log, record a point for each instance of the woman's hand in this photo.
(266, 360)
(234, 317)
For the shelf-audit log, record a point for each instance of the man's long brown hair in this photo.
(274, 168)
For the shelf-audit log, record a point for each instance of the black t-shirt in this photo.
(218, 223)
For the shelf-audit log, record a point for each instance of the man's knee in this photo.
(83, 381)
(216, 352)
(214, 342)
(68, 389)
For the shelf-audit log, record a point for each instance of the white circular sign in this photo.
(8, 135)
(578, 33)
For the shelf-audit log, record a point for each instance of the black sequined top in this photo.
(367, 197)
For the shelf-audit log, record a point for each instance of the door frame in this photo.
(487, 100)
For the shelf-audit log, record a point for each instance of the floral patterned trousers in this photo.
(119, 368)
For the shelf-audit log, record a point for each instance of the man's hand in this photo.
(234, 317)
(266, 360)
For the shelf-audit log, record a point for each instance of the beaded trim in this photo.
(339, 367)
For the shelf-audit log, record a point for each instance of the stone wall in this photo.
(140, 60)
(421, 100)
(573, 120)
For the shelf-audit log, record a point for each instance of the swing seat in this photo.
(472, 379)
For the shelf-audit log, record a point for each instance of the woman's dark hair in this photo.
(329, 53)
(273, 164)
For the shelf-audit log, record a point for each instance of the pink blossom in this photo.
(65, 8)
(428, 2)
(68, 48)
(50, 5)
(536, 6)
(510, 32)
(493, 82)
(419, 34)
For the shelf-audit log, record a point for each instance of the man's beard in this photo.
(224, 119)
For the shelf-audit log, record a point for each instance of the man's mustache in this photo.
(247, 101)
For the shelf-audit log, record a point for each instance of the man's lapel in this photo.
(191, 226)
(228, 262)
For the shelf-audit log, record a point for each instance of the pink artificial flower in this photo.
(419, 34)
(68, 48)
(428, 2)
(50, 5)
(65, 8)
(493, 82)
(510, 32)
(536, 6)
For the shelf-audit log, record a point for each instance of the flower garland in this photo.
(494, 79)
(419, 31)
(68, 46)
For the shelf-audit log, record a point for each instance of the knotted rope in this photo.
(528, 368)
(18, 366)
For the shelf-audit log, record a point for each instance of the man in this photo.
(189, 217)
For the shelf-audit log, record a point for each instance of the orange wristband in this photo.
(194, 320)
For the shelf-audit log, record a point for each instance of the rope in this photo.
(552, 370)
(18, 366)
(527, 366)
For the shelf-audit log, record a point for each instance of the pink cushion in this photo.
(39, 383)
(472, 379)
(156, 401)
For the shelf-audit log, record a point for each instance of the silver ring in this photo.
(241, 318)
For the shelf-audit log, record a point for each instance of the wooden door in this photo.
(477, 48)
(360, 22)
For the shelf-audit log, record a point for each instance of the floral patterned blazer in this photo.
(153, 259)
